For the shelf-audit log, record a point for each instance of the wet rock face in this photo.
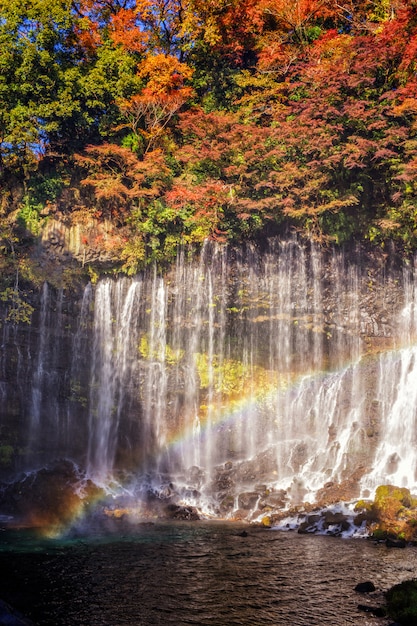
(347, 490)
(89, 241)
(48, 497)
(177, 512)
(248, 500)
(326, 522)
(38, 384)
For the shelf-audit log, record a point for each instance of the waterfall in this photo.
(395, 460)
(237, 371)
(45, 406)
(113, 370)
(396, 398)
(39, 369)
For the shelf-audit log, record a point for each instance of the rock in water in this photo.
(366, 587)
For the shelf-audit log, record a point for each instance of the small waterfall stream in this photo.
(39, 373)
(235, 372)
(113, 371)
(395, 458)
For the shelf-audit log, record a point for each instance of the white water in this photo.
(113, 370)
(257, 362)
(38, 371)
(395, 460)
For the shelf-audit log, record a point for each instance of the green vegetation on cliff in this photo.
(176, 121)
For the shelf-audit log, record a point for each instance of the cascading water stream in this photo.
(112, 371)
(395, 460)
(39, 369)
(156, 383)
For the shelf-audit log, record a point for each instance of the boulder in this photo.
(306, 528)
(377, 611)
(274, 500)
(394, 512)
(402, 602)
(395, 543)
(178, 512)
(247, 500)
(48, 497)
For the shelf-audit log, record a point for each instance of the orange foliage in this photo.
(125, 32)
(319, 124)
(164, 74)
(155, 111)
(295, 16)
(285, 31)
(118, 178)
(227, 26)
(150, 112)
(163, 21)
(207, 200)
(88, 36)
(276, 56)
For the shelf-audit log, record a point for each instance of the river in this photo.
(197, 573)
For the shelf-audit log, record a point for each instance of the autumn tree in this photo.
(149, 112)
(119, 179)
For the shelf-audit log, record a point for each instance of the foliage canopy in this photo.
(181, 120)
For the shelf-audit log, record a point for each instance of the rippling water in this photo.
(197, 573)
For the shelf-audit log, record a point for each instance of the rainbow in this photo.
(177, 440)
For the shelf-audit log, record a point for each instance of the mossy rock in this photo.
(379, 534)
(363, 506)
(402, 603)
(392, 515)
(393, 507)
(389, 494)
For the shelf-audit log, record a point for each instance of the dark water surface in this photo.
(197, 573)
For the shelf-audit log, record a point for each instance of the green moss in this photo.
(159, 352)
(6, 455)
(363, 505)
(30, 216)
(379, 534)
(227, 375)
(394, 512)
(390, 492)
(402, 603)
(76, 393)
